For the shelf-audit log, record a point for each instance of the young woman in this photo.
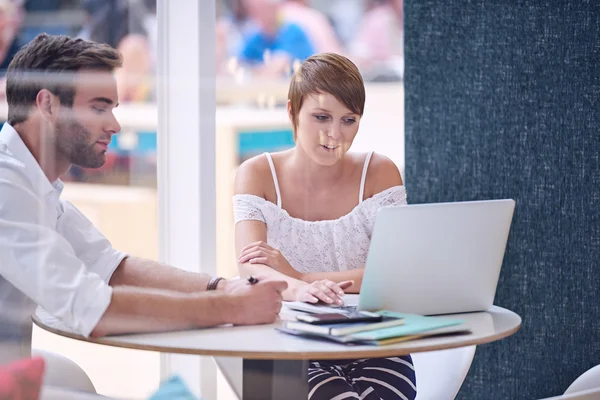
(306, 215)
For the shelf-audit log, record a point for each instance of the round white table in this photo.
(275, 364)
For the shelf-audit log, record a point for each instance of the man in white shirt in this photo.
(61, 93)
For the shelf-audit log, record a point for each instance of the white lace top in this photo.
(319, 246)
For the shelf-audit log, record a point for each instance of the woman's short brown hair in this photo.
(329, 73)
(49, 62)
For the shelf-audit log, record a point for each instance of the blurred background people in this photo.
(11, 19)
(345, 16)
(378, 47)
(274, 44)
(127, 26)
(314, 23)
(269, 36)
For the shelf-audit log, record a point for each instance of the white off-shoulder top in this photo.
(319, 246)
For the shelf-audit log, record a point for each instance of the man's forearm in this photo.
(355, 275)
(135, 309)
(140, 272)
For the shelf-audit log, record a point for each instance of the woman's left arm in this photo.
(263, 253)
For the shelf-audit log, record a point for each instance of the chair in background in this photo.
(593, 394)
(57, 393)
(61, 372)
(587, 381)
(232, 370)
(586, 387)
(440, 374)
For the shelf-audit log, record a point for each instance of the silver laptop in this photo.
(436, 258)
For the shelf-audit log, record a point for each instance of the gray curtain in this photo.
(502, 101)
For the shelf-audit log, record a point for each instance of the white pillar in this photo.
(186, 157)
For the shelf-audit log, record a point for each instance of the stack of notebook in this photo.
(393, 328)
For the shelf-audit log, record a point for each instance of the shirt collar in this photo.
(33, 171)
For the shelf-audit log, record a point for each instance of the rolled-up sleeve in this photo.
(89, 244)
(41, 263)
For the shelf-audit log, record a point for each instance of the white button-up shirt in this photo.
(50, 254)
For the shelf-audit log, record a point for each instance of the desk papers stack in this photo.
(395, 327)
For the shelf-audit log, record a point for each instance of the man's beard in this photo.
(74, 144)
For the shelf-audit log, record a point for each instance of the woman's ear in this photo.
(291, 117)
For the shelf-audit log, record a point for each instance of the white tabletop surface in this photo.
(264, 342)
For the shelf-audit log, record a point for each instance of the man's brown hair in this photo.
(49, 62)
(329, 73)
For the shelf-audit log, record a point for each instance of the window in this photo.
(253, 79)
(120, 197)
(180, 149)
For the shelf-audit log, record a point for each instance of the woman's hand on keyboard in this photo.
(263, 253)
(324, 290)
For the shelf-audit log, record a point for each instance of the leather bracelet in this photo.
(212, 284)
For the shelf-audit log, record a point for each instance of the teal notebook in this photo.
(413, 325)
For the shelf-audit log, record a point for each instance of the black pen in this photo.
(252, 280)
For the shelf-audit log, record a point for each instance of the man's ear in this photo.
(47, 104)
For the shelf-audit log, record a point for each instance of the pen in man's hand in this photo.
(252, 280)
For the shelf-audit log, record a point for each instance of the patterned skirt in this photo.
(373, 378)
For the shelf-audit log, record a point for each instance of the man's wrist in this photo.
(229, 307)
(218, 306)
(214, 283)
(222, 285)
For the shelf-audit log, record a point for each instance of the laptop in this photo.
(432, 259)
(436, 258)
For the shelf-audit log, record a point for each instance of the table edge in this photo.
(375, 352)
